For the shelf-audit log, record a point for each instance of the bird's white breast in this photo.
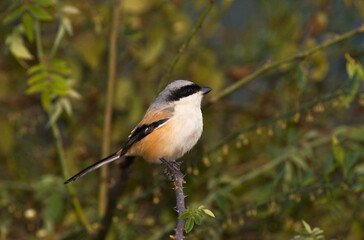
(187, 125)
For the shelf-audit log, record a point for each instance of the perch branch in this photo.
(173, 172)
(109, 105)
(185, 45)
(271, 65)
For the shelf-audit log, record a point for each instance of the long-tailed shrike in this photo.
(171, 126)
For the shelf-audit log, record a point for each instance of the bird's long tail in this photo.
(96, 165)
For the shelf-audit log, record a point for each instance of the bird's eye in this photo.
(188, 91)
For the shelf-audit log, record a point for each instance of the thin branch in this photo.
(38, 41)
(322, 187)
(185, 45)
(271, 65)
(109, 105)
(173, 172)
(56, 133)
(304, 107)
(291, 151)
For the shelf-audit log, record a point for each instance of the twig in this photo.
(291, 151)
(173, 172)
(268, 66)
(113, 197)
(109, 105)
(286, 115)
(185, 45)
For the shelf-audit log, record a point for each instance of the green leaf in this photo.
(55, 114)
(70, 10)
(39, 13)
(14, 15)
(208, 212)
(197, 219)
(38, 87)
(58, 82)
(17, 47)
(72, 93)
(35, 68)
(66, 104)
(28, 26)
(307, 227)
(353, 91)
(60, 66)
(189, 225)
(339, 152)
(67, 25)
(37, 78)
(54, 206)
(353, 68)
(185, 214)
(300, 162)
(46, 99)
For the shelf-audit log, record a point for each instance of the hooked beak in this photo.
(205, 90)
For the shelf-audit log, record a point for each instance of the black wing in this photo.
(141, 132)
(138, 134)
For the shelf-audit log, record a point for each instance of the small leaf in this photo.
(55, 114)
(70, 9)
(14, 15)
(28, 26)
(39, 13)
(197, 219)
(339, 152)
(72, 93)
(66, 104)
(54, 206)
(45, 99)
(189, 225)
(67, 25)
(35, 68)
(307, 227)
(37, 78)
(18, 49)
(208, 212)
(185, 214)
(38, 87)
(60, 66)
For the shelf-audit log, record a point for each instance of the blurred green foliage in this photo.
(285, 147)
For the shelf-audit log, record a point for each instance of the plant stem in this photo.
(271, 65)
(56, 134)
(76, 204)
(38, 41)
(109, 105)
(185, 45)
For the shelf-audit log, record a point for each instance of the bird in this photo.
(170, 128)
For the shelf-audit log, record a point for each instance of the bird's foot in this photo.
(172, 169)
